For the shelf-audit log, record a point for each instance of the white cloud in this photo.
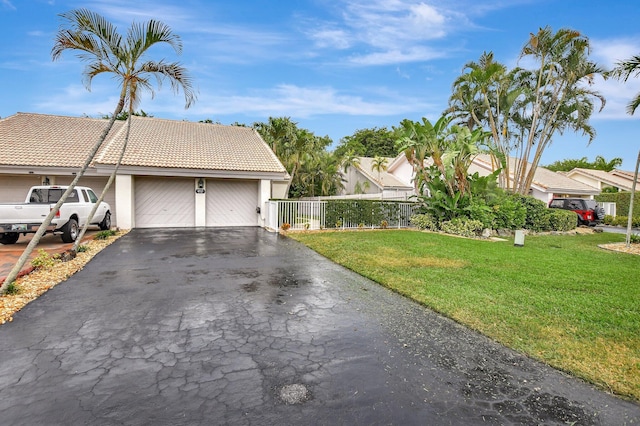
(305, 102)
(389, 31)
(618, 95)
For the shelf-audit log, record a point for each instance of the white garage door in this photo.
(232, 202)
(13, 189)
(164, 202)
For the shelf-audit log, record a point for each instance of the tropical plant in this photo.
(600, 163)
(293, 147)
(524, 109)
(623, 71)
(369, 143)
(380, 165)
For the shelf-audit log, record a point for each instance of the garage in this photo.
(232, 202)
(164, 202)
(173, 174)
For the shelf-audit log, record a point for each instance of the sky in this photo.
(332, 66)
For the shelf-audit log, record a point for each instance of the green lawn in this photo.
(560, 298)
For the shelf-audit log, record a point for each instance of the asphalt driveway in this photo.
(241, 326)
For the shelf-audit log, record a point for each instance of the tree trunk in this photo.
(112, 177)
(13, 274)
(633, 192)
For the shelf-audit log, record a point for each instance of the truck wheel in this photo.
(105, 225)
(70, 231)
(9, 238)
(600, 213)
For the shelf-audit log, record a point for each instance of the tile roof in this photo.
(619, 181)
(543, 178)
(46, 140)
(387, 179)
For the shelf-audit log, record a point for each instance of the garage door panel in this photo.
(164, 203)
(231, 203)
(13, 189)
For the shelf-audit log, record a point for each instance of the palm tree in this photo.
(106, 51)
(624, 70)
(136, 77)
(559, 95)
(485, 96)
(380, 165)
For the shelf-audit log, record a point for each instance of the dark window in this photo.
(92, 196)
(51, 195)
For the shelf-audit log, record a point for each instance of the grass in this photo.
(559, 299)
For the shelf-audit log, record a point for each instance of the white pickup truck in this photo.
(26, 218)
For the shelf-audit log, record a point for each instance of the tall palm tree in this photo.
(486, 96)
(623, 71)
(106, 51)
(559, 93)
(135, 75)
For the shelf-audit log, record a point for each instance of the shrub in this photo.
(462, 226)
(621, 221)
(43, 260)
(103, 235)
(622, 200)
(480, 211)
(425, 221)
(354, 212)
(562, 220)
(509, 213)
(634, 238)
(12, 288)
(537, 218)
(82, 248)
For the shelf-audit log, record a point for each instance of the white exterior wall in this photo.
(586, 180)
(124, 201)
(264, 195)
(279, 190)
(201, 201)
(403, 172)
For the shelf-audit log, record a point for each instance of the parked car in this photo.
(25, 218)
(588, 211)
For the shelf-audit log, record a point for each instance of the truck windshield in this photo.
(51, 195)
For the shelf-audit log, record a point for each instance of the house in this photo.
(173, 174)
(618, 179)
(545, 186)
(364, 179)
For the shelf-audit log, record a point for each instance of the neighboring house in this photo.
(364, 179)
(618, 179)
(174, 173)
(546, 184)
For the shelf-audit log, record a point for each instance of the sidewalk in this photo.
(50, 243)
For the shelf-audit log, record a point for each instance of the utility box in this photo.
(519, 240)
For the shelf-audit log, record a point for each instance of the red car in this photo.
(588, 211)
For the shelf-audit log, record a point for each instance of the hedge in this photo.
(622, 200)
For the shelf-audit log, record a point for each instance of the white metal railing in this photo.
(312, 215)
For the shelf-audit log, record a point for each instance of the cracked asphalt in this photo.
(245, 327)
